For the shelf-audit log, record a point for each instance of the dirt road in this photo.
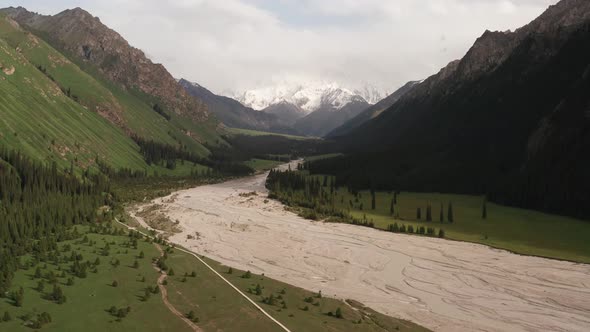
(164, 293)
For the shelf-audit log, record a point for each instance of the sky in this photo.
(236, 45)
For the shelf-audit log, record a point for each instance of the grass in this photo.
(521, 231)
(68, 132)
(44, 123)
(262, 164)
(89, 298)
(249, 132)
(213, 302)
(323, 156)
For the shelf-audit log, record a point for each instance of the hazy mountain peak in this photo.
(309, 97)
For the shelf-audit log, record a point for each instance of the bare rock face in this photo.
(81, 34)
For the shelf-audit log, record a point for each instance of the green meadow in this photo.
(518, 230)
(89, 299)
(120, 275)
(262, 164)
(249, 132)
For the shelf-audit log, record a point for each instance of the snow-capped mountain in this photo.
(371, 93)
(309, 97)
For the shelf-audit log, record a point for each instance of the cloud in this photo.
(240, 44)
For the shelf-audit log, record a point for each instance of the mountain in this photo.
(314, 109)
(79, 85)
(288, 113)
(41, 120)
(373, 111)
(233, 114)
(371, 93)
(309, 97)
(510, 119)
(78, 33)
(325, 119)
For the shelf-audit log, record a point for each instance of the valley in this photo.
(287, 166)
(428, 281)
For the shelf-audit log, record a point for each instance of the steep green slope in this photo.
(40, 120)
(108, 57)
(123, 109)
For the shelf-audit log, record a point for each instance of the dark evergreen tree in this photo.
(392, 207)
(450, 216)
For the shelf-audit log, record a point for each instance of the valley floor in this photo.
(440, 284)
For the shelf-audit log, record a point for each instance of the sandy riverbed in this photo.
(443, 285)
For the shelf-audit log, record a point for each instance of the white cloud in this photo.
(239, 44)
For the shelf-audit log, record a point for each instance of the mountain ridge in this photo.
(496, 122)
(374, 110)
(233, 114)
(85, 36)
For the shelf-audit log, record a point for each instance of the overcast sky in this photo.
(242, 44)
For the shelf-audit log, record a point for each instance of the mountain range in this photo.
(511, 119)
(314, 108)
(233, 114)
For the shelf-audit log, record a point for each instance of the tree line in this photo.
(38, 204)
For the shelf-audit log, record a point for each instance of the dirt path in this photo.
(164, 293)
(443, 285)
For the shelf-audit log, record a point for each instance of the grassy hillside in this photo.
(55, 111)
(40, 120)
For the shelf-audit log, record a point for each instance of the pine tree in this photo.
(392, 207)
(450, 217)
(338, 313)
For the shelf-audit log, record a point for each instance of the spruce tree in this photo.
(392, 208)
(338, 313)
(450, 217)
